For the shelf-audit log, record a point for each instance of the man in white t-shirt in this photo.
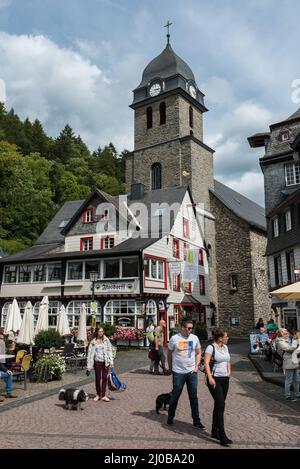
(184, 355)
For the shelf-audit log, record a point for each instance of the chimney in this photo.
(137, 191)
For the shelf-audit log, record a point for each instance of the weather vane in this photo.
(168, 26)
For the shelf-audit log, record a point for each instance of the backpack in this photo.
(211, 362)
(113, 382)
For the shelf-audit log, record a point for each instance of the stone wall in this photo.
(233, 256)
(262, 302)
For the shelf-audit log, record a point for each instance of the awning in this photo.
(289, 292)
(189, 300)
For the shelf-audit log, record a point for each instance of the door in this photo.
(291, 321)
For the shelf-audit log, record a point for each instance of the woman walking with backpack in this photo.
(218, 370)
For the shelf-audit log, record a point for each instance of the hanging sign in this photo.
(93, 307)
(175, 268)
(190, 268)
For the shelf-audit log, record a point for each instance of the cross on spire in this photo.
(168, 26)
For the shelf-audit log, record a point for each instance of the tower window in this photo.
(162, 113)
(191, 115)
(156, 176)
(149, 117)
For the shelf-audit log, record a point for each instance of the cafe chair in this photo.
(24, 369)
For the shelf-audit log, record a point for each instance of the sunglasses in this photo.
(188, 328)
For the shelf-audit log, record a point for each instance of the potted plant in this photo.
(49, 367)
(47, 339)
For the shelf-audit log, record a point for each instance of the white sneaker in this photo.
(97, 398)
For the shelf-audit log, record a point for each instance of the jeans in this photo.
(9, 381)
(291, 377)
(160, 358)
(101, 373)
(219, 394)
(191, 380)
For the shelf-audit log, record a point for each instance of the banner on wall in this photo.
(175, 268)
(190, 266)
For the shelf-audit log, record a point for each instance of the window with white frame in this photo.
(275, 225)
(154, 269)
(122, 312)
(89, 215)
(25, 272)
(52, 312)
(75, 270)
(288, 220)
(74, 309)
(5, 307)
(91, 266)
(107, 242)
(111, 268)
(39, 273)
(151, 310)
(10, 274)
(86, 244)
(292, 174)
(130, 268)
(285, 135)
(54, 272)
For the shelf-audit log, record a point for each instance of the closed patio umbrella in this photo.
(26, 334)
(63, 323)
(8, 321)
(82, 335)
(42, 322)
(289, 292)
(14, 320)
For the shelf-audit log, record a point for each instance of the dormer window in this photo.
(285, 135)
(88, 215)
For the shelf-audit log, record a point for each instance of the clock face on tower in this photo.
(193, 91)
(155, 89)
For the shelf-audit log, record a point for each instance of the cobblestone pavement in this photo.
(256, 415)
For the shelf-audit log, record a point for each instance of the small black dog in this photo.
(73, 397)
(162, 400)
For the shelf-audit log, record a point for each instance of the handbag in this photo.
(211, 362)
(113, 382)
(152, 354)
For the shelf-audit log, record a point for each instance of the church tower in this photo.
(168, 136)
(168, 130)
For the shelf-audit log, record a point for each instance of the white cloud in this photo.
(58, 86)
(218, 91)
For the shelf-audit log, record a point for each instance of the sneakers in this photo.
(291, 399)
(198, 425)
(97, 398)
(10, 396)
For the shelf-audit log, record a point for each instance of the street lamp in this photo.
(93, 279)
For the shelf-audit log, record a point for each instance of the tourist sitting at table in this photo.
(71, 338)
(7, 375)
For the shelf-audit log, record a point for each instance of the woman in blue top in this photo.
(218, 381)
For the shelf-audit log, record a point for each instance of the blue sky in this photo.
(77, 61)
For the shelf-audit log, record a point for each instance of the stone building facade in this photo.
(174, 140)
(281, 168)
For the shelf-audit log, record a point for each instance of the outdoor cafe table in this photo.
(4, 357)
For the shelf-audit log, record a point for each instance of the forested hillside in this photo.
(39, 173)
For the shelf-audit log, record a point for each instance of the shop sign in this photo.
(114, 287)
(174, 268)
(93, 307)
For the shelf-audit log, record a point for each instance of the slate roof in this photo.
(52, 233)
(48, 253)
(243, 207)
(165, 65)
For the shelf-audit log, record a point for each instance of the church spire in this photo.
(168, 35)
